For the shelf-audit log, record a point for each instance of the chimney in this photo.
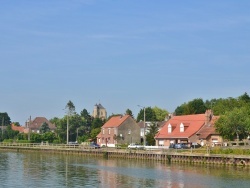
(208, 117)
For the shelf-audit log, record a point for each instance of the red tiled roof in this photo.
(208, 129)
(17, 128)
(115, 121)
(192, 124)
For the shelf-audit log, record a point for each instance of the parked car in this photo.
(135, 146)
(195, 145)
(181, 146)
(94, 145)
(73, 143)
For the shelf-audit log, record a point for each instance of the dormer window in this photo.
(181, 128)
(169, 128)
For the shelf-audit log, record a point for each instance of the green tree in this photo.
(4, 119)
(149, 115)
(70, 107)
(153, 130)
(61, 128)
(234, 124)
(44, 128)
(245, 97)
(86, 121)
(129, 112)
(181, 110)
(97, 123)
(16, 124)
(160, 113)
(36, 138)
(48, 137)
(94, 132)
(223, 105)
(196, 106)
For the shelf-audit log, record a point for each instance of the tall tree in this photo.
(234, 124)
(44, 128)
(70, 107)
(129, 112)
(245, 97)
(153, 130)
(196, 106)
(4, 119)
(97, 123)
(160, 113)
(149, 115)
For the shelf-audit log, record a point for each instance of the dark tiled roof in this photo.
(38, 121)
(99, 106)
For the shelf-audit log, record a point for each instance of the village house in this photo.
(35, 125)
(145, 128)
(197, 128)
(119, 130)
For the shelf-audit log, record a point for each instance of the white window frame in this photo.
(169, 128)
(181, 128)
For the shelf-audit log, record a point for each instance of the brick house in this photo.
(197, 128)
(34, 125)
(207, 134)
(119, 130)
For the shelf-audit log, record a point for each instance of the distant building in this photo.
(35, 125)
(119, 130)
(99, 112)
(198, 128)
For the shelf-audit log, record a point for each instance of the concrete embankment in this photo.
(169, 156)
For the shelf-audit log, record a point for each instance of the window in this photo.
(169, 128)
(109, 130)
(161, 142)
(181, 128)
(103, 131)
(129, 131)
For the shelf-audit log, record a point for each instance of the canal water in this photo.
(61, 170)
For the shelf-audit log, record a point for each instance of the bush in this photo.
(8, 140)
(23, 141)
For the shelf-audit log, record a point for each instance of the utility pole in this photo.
(144, 138)
(2, 126)
(29, 128)
(144, 131)
(67, 128)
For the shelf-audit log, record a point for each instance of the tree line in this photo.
(82, 126)
(234, 121)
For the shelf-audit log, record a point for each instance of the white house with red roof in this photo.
(119, 130)
(188, 128)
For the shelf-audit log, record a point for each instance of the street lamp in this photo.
(67, 126)
(67, 129)
(144, 140)
(77, 134)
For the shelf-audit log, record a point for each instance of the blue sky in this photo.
(120, 53)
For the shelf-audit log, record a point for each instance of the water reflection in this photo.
(60, 170)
